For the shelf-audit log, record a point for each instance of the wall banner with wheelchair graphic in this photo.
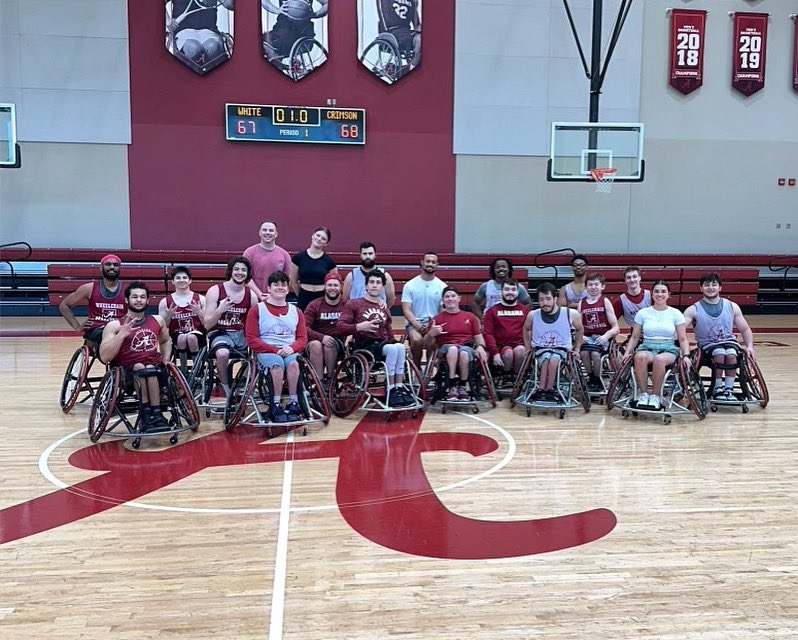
(687, 49)
(294, 35)
(389, 37)
(199, 33)
(749, 43)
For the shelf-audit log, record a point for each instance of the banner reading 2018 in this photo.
(687, 49)
(749, 45)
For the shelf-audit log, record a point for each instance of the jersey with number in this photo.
(594, 317)
(551, 331)
(184, 320)
(104, 308)
(233, 319)
(396, 14)
(141, 346)
(714, 325)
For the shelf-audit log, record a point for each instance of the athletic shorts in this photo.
(659, 346)
(232, 340)
(201, 338)
(338, 343)
(461, 348)
(269, 360)
(542, 354)
(95, 336)
(593, 344)
(374, 347)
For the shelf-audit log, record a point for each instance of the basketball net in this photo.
(604, 179)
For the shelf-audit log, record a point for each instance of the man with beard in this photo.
(458, 339)
(490, 293)
(105, 299)
(276, 332)
(548, 331)
(369, 322)
(628, 304)
(503, 327)
(574, 291)
(266, 257)
(324, 335)
(226, 307)
(715, 320)
(421, 300)
(134, 341)
(355, 282)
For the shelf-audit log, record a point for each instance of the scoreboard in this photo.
(279, 123)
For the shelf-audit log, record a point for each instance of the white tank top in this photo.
(709, 330)
(278, 331)
(631, 308)
(551, 335)
(493, 294)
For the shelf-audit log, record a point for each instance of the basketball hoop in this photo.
(604, 179)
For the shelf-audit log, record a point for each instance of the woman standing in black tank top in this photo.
(309, 267)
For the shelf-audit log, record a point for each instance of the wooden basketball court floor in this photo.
(449, 527)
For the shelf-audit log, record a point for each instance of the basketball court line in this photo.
(281, 555)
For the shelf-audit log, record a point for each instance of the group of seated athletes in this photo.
(500, 329)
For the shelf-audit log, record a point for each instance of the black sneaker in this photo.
(277, 414)
(551, 396)
(294, 411)
(158, 423)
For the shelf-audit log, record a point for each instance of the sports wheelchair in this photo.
(682, 392)
(570, 387)
(386, 59)
(117, 399)
(609, 364)
(749, 385)
(252, 393)
(360, 382)
(77, 379)
(204, 377)
(481, 388)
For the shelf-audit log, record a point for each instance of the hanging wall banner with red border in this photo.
(749, 45)
(294, 35)
(389, 37)
(795, 54)
(199, 33)
(687, 49)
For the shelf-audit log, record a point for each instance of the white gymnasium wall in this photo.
(712, 160)
(64, 63)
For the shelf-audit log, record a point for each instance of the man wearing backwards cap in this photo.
(105, 299)
(325, 342)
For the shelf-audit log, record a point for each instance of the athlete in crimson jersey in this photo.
(600, 326)
(455, 331)
(635, 298)
(183, 311)
(324, 334)
(105, 299)
(503, 327)
(140, 343)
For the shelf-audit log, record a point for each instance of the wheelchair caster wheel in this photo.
(207, 413)
(443, 408)
(475, 410)
(745, 408)
(305, 430)
(666, 419)
(389, 418)
(624, 414)
(173, 439)
(528, 412)
(136, 443)
(561, 414)
(713, 408)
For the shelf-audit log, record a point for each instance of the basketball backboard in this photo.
(578, 147)
(9, 151)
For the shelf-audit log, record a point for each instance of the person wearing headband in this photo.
(105, 299)
(325, 343)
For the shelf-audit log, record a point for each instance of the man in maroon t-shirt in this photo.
(134, 341)
(368, 320)
(321, 316)
(454, 332)
(503, 327)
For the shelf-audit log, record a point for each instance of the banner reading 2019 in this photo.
(749, 45)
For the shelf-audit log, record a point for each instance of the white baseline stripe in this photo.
(281, 556)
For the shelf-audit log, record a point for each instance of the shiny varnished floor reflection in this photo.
(457, 526)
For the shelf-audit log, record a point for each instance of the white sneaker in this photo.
(655, 402)
(643, 399)
(730, 394)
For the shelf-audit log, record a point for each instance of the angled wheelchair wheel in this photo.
(577, 375)
(241, 390)
(104, 403)
(693, 390)
(74, 378)
(383, 58)
(349, 385)
(523, 374)
(184, 408)
(312, 397)
(489, 391)
(307, 54)
(621, 388)
(751, 377)
(416, 380)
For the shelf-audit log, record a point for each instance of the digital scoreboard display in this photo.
(276, 123)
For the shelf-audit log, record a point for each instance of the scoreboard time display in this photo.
(277, 123)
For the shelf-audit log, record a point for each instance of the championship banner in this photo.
(748, 47)
(389, 37)
(795, 54)
(294, 35)
(687, 49)
(199, 33)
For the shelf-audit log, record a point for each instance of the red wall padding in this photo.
(191, 189)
